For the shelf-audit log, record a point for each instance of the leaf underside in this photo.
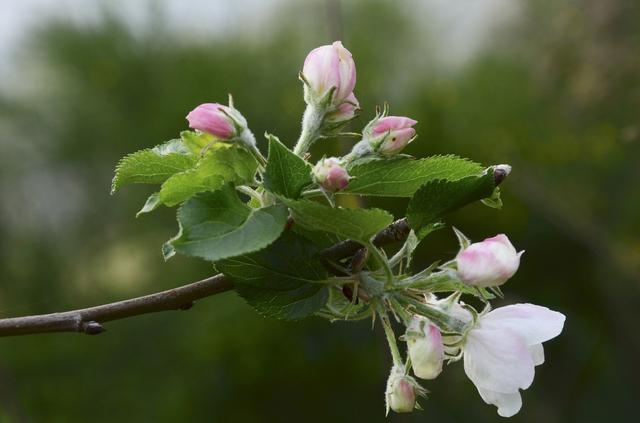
(437, 198)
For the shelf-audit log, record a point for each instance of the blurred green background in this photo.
(552, 88)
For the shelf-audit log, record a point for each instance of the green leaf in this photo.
(153, 166)
(402, 176)
(196, 141)
(321, 239)
(293, 304)
(437, 198)
(286, 173)
(223, 163)
(285, 280)
(152, 203)
(217, 225)
(357, 224)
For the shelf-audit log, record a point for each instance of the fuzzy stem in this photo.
(391, 336)
(311, 123)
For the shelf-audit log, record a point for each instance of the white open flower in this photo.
(503, 348)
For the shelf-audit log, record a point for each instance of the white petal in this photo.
(508, 404)
(537, 354)
(535, 323)
(498, 360)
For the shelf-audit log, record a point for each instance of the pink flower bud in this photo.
(390, 134)
(345, 111)
(330, 66)
(402, 391)
(488, 263)
(425, 347)
(215, 119)
(403, 397)
(330, 174)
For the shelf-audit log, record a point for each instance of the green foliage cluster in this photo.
(246, 236)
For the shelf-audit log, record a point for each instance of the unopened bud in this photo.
(500, 172)
(389, 135)
(327, 67)
(223, 122)
(425, 347)
(402, 391)
(488, 263)
(330, 174)
(343, 112)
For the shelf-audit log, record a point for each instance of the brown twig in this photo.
(89, 320)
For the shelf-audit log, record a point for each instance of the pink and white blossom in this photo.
(330, 66)
(214, 119)
(345, 111)
(331, 175)
(488, 263)
(391, 134)
(503, 348)
(425, 347)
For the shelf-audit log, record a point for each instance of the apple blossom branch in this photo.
(89, 320)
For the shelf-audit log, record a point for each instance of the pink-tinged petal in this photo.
(488, 263)
(320, 69)
(425, 347)
(389, 123)
(330, 66)
(209, 117)
(330, 174)
(346, 72)
(498, 360)
(533, 323)
(345, 111)
(537, 354)
(508, 404)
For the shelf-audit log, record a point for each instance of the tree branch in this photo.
(89, 320)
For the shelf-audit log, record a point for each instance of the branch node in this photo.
(187, 306)
(92, 328)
